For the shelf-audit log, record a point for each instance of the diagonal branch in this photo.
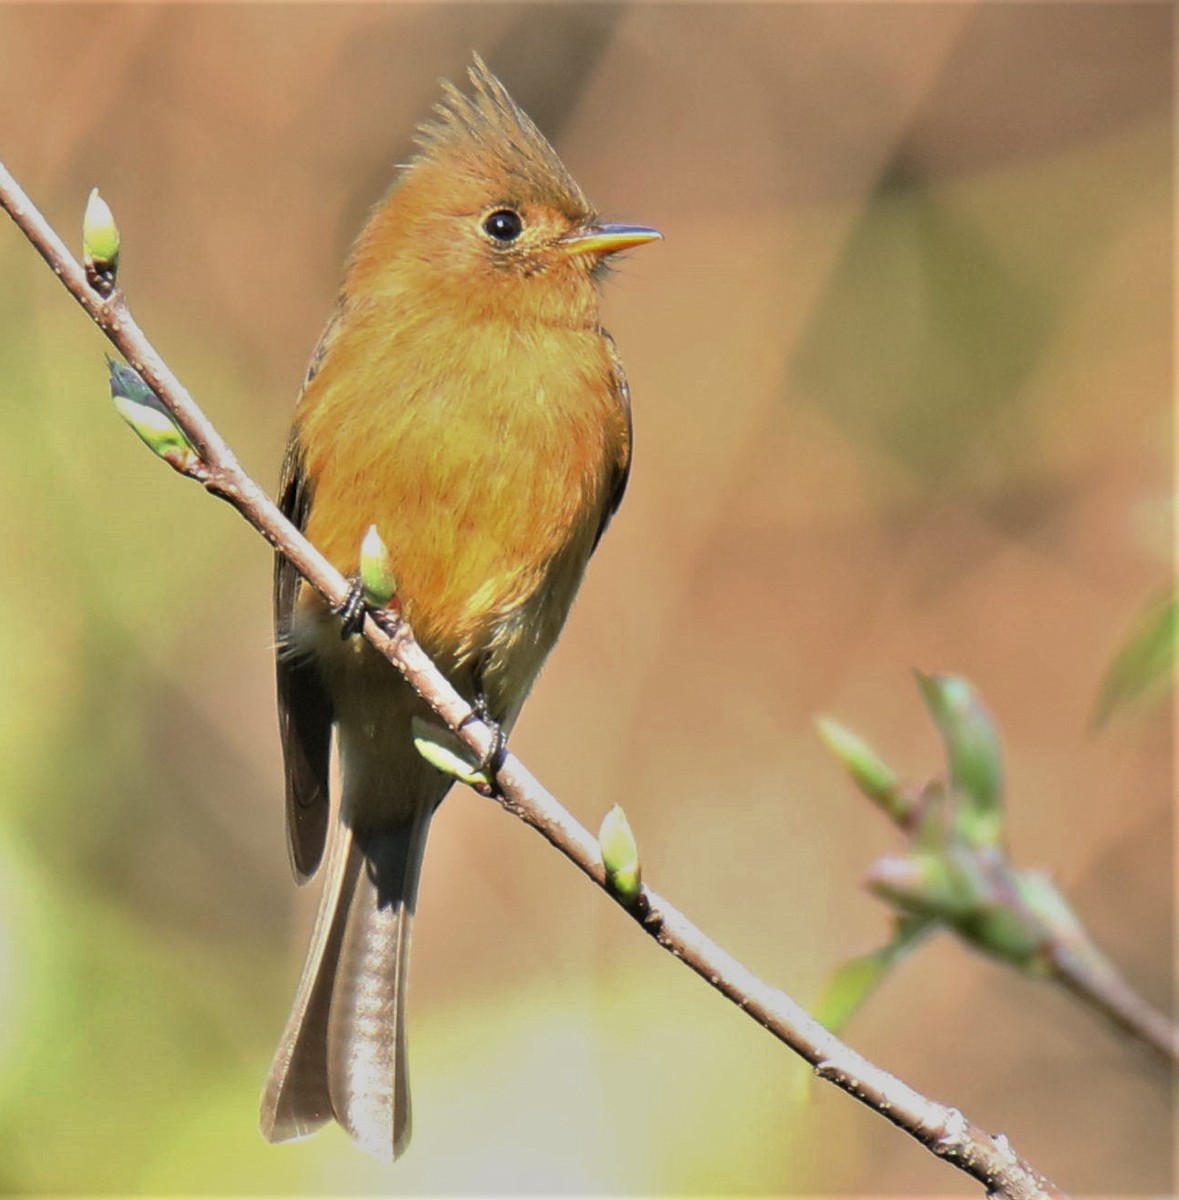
(956, 871)
(941, 1129)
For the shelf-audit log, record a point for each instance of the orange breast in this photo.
(485, 456)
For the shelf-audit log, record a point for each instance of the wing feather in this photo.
(622, 393)
(305, 711)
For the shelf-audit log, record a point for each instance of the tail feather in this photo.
(342, 1054)
(296, 1100)
(367, 1073)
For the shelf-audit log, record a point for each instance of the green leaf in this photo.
(1142, 671)
(870, 773)
(858, 978)
(973, 753)
(946, 884)
(142, 409)
(130, 385)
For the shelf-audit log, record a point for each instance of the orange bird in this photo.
(466, 401)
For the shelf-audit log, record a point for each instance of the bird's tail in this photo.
(342, 1054)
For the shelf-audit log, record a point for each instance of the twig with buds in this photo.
(195, 449)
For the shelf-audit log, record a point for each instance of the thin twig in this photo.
(1058, 946)
(941, 1129)
(1095, 981)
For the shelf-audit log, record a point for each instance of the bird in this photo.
(464, 400)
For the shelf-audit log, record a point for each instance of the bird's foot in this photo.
(497, 752)
(351, 612)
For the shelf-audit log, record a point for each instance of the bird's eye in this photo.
(503, 225)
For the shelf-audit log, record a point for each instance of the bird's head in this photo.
(487, 218)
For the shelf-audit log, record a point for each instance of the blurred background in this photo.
(902, 376)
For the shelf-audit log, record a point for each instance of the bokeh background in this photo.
(902, 373)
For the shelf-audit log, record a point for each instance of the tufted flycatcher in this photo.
(466, 401)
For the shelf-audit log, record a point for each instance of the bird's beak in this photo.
(607, 239)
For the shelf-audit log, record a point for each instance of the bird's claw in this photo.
(497, 752)
(351, 612)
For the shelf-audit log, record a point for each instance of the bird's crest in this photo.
(489, 122)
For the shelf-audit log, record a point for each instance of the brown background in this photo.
(902, 376)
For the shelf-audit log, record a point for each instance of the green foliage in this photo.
(859, 977)
(954, 872)
(973, 754)
(870, 773)
(1142, 673)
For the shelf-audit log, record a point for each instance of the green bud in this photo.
(620, 856)
(1055, 923)
(1009, 933)
(934, 831)
(376, 571)
(140, 407)
(973, 753)
(943, 885)
(100, 242)
(869, 772)
(446, 752)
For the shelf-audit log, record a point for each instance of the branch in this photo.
(942, 1130)
(956, 872)
(1080, 967)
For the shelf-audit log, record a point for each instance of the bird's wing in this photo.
(304, 707)
(622, 473)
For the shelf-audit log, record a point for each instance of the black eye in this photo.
(504, 225)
